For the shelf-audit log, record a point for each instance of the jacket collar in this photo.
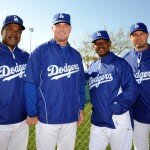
(5, 47)
(108, 57)
(53, 41)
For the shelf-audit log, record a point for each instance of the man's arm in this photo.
(31, 103)
(126, 99)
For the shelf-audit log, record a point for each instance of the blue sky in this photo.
(87, 16)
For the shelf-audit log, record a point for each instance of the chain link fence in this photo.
(82, 139)
(83, 132)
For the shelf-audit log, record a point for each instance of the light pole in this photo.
(31, 30)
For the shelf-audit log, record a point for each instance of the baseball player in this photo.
(54, 87)
(13, 127)
(113, 92)
(139, 60)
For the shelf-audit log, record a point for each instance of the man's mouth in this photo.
(13, 38)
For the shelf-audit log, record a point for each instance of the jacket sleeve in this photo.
(82, 87)
(30, 99)
(82, 97)
(129, 91)
(32, 79)
(33, 68)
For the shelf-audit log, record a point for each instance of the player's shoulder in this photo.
(75, 52)
(74, 49)
(120, 61)
(40, 48)
(93, 63)
(127, 54)
(115, 58)
(92, 66)
(23, 52)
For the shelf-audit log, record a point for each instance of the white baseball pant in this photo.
(50, 135)
(14, 136)
(119, 139)
(141, 136)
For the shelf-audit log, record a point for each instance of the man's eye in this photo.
(8, 30)
(19, 31)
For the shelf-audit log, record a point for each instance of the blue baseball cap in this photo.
(61, 17)
(100, 35)
(138, 27)
(13, 19)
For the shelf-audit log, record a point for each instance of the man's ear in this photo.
(52, 27)
(110, 43)
(70, 28)
(2, 32)
(93, 46)
(147, 35)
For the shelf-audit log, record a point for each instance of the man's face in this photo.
(102, 47)
(11, 35)
(139, 40)
(61, 32)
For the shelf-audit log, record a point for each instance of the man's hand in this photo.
(81, 118)
(32, 121)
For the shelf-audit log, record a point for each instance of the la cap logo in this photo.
(99, 34)
(15, 19)
(61, 16)
(136, 26)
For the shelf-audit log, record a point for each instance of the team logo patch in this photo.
(8, 73)
(99, 79)
(142, 76)
(56, 72)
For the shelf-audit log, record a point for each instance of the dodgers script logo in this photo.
(99, 79)
(56, 72)
(142, 76)
(8, 73)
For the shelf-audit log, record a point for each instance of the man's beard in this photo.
(141, 46)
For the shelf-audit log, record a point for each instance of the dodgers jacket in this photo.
(140, 63)
(12, 69)
(113, 89)
(58, 76)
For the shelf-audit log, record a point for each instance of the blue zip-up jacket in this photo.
(107, 77)
(12, 69)
(140, 64)
(58, 75)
